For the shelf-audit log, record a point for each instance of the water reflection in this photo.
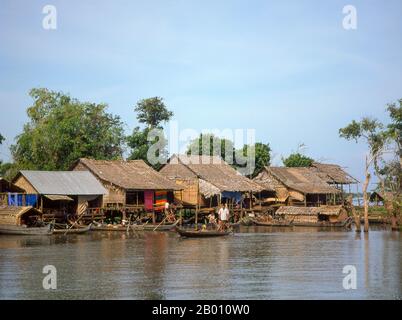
(256, 263)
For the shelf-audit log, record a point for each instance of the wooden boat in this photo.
(160, 227)
(325, 224)
(116, 227)
(273, 223)
(24, 230)
(76, 229)
(201, 233)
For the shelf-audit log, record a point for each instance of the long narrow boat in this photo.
(160, 227)
(116, 227)
(76, 229)
(24, 230)
(201, 233)
(325, 224)
(273, 223)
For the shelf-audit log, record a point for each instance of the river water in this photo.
(255, 263)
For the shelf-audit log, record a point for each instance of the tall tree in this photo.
(370, 131)
(1, 139)
(153, 113)
(62, 129)
(297, 160)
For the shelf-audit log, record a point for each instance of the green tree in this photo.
(370, 131)
(62, 129)
(8, 170)
(297, 160)
(1, 139)
(153, 113)
(262, 153)
(210, 145)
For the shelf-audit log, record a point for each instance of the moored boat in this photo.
(23, 221)
(68, 229)
(116, 227)
(201, 233)
(160, 227)
(24, 230)
(325, 224)
(273, 223)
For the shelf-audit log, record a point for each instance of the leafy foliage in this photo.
(262, 154)
(152, 112)
(368, 129)
(297, 160)
(380, 140)
(211, 145)
(62, 129)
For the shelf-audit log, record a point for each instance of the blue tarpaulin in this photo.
(15, 199)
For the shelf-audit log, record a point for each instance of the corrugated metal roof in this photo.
(64, 182)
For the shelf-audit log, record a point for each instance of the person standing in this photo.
(223, 216)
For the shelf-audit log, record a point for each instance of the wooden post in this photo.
(357, 193)
(305, 200)
(241, 208)
(197, 204)
(365, 197)
(41, 206)
(251, 200)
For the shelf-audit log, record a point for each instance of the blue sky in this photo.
(288, 69)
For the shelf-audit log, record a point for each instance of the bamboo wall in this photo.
(115, 195)
(23, 183)
(302, 218)
(190, 191)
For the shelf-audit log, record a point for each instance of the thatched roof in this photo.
(302, 179)
(129, 175)
(323, 210)
(63, 182)
(11, 215)
(214, 174)
(333, 173)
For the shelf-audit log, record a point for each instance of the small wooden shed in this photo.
(18, 215)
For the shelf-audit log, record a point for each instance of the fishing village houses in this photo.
(133, 186)
(208, 181)
(58, 194)
(308, 195)
(117, 191)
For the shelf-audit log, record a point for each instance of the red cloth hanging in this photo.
(149, 199)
